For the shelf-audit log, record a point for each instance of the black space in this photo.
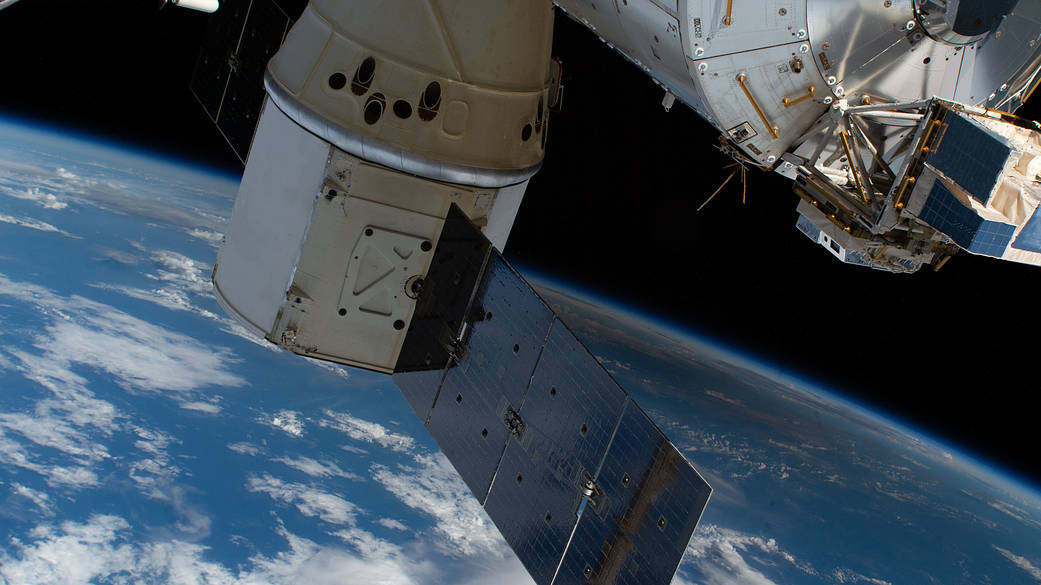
(614, 210)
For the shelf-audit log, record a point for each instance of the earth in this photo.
(147, 438)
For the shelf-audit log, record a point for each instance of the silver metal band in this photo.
(377, 152)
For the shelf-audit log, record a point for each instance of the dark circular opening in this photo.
(549, 517)
(584, 429)
(426, 246)
(402, 109)
(363, 76)
(484, 432)
(337, 80)
(661, 522)
(431, 95)
(342, 312)
(488, 316)
(368, 232)
(298, 299)
(374, 108)
(516, 349)
(625, 479)
(587, 570)
(927, 60)
(399, 324)
(331, 194)
(526, 132)
(553, 391)
(458, 398)
(520, 478)
(430, 101)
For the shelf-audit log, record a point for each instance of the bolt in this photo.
(839, 91)
(699, 51)
(770, 159)
(801, 33)
(702, 67)
(804, 49)
(910, 25)
(831, 80)
(828, 100)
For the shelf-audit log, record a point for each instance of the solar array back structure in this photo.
(580, 482)
(228, 79)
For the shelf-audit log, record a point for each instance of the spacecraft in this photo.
(388, 146)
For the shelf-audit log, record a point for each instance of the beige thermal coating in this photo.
(457, 84)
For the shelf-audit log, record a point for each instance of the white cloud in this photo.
(315, 468)
(182, 272)
(103, 549)
(40, 499)
(168, 298)
(718, 555)
(209, 236)
(433, 487)
(845, 575)
(138, 354)
(54, 433)
(368, 544)
(34, 224)
(80, 333)
(154, 474)
(369, 432)
(42, 198)
(200, 406)
(1014, 512)
(245, 448)
(391, 524)
(285, 420)
(308, 500)
(74, 555)
(1021, 562)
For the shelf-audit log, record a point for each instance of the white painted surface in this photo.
(283, 175)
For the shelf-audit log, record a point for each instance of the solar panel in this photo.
(579, 481)
(228, 80)
(448, 287)
(971, 156)
(945, 212)
(569, 414)
(1029, 237)
(651, 502)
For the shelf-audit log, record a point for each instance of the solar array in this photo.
(944, 212)
(579, 481)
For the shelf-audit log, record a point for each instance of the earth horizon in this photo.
(146, 437)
